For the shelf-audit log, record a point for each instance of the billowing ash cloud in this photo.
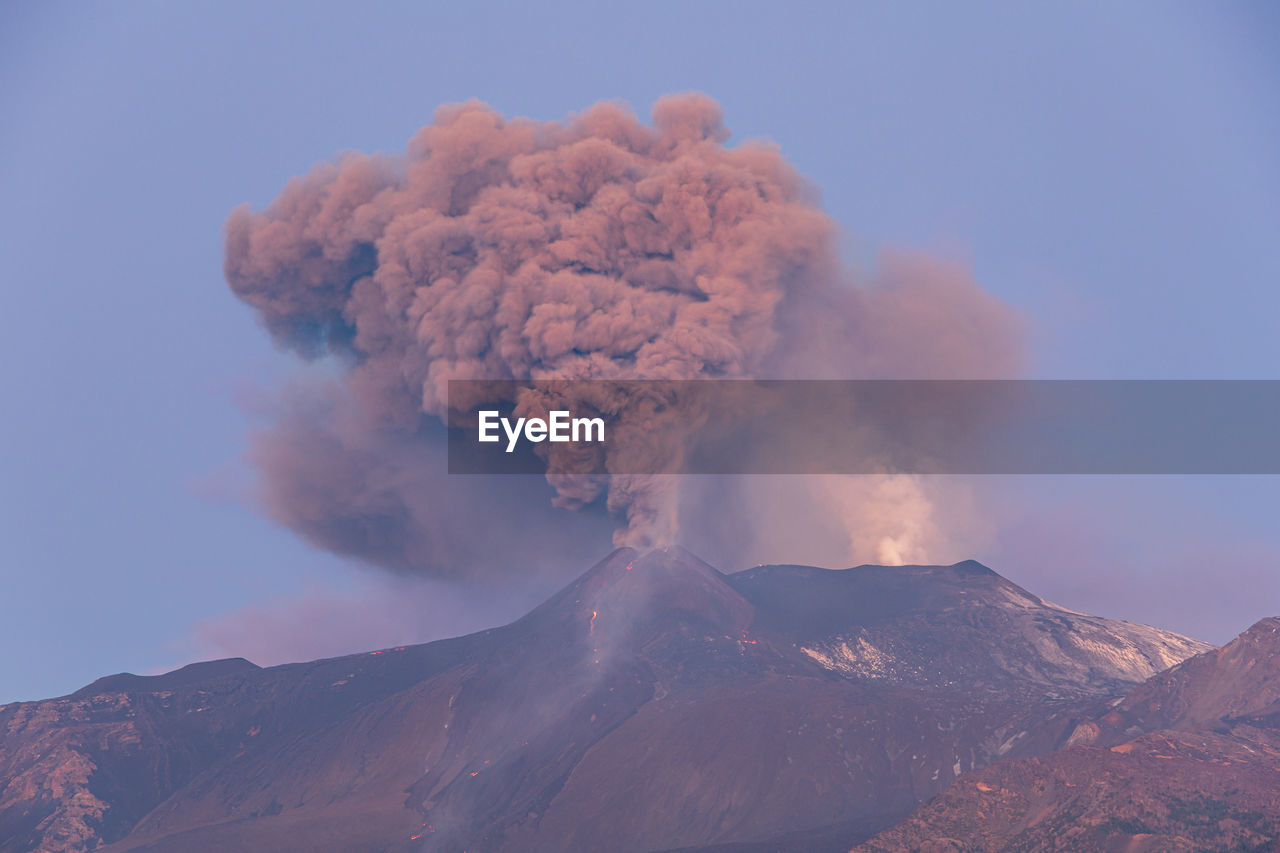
(594, 248)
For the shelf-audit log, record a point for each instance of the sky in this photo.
(1108, 169)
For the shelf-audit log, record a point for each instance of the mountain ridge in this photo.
(653, 703)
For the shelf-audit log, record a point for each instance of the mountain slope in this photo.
(652, 704)
(961, 624)
(1188, 760)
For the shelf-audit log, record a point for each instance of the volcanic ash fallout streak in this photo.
(599, 247)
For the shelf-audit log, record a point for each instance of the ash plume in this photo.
(595, 248)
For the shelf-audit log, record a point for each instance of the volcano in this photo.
(653, 704)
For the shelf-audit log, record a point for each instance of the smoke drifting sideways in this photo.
(599, 248)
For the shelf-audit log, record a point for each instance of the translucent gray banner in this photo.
(865, 427)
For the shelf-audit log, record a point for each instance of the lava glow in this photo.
(591, 623)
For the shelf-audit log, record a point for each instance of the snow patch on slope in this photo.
(861, 659)
(1006, 632)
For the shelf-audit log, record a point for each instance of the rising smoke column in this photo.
(595, 248)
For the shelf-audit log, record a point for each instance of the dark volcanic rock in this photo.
(949, 626)
(1188, 760)
(195, 673)
(653, 704)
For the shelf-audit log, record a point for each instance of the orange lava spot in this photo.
(983, 786)
(475, 772)
(591, 623)
(415, 837)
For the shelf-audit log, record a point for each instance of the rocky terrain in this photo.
(653, 704)
(1188, 760)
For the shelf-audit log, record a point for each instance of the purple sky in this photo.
(1110, 171)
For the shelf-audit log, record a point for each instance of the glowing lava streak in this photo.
(591, 623)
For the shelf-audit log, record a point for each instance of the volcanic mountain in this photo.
(1188, 760)
(653, 704)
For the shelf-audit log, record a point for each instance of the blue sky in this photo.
(1110, 169)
